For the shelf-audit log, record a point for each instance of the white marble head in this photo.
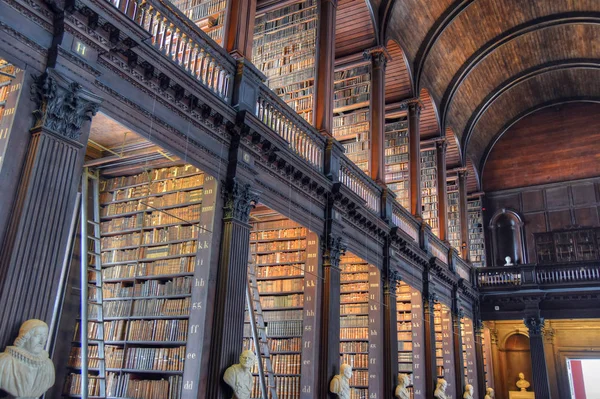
(521, 376)
(469, 388)
(403, 380)
(346, 370)
(247, 359)
(33, 335)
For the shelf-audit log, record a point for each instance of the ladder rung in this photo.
(93, 238)
(94, 303)
(93, 269)
(93, 223)
(94, 253)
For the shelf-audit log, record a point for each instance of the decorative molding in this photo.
(333, 249)
(535, 324)
(62, 106)
(393, 278)
(239, 201)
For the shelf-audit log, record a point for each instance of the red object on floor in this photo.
(578, 385)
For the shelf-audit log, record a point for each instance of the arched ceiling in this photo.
(485, 62)
(354, 28)
(397, 75)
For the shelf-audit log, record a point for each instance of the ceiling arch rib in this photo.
(398, 84)
(429, 124)
(352, 37)
(518, 101)
(449, 87)
(538, 50)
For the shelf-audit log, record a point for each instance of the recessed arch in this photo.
(514, 81)
(429, 125)
(398, 81)
(350, 37)
(503, 38)
(453, 155)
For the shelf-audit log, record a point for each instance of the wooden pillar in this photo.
(378, 63)
(464, 219)
(231, 286)
(429, 299)
(440, 152)
(390, 334)
(325, 59)
(36, 239)
(329, 334)
(414, 149)
(549, 345)
(239, 28)
(480, 366)
(459, 365)
(541, 385)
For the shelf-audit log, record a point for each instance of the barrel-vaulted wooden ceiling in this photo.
(484, 63)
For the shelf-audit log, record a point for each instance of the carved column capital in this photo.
(549, 334)
(535, 324)
(378, 56)
(333, 249)
(392, 280)
(441, 145)
(239, 201)
(62, 106)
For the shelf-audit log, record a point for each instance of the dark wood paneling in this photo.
(506, 201)
(552, 145)
(559, 219)
(586, 216)
(536, 223)
(452, 153)
(557, 197)
(397, 78)
(354, 29)
(428, 127)
(533, 201)
(583, 194)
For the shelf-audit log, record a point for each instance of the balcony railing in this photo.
(405, 221)
(303, 138)
(539, 276)
(462, 268)
(438, 249)
(175, 36)
(356, 180)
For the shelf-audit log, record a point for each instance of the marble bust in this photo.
(26, 371)
(508, 261)
(340, 384)
(440, 389)
(401, 391)
(468, 392)
(489, 393)
(239, 376)
(522, 384)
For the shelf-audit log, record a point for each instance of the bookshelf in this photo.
(429, 190)
(454, 215)
(444, 346)
(397, 161)
(284, 50)
(151, 242)
(285, 255)
(208, 15)
(354, 322)
(476, 237)
(411, 346)
(468, 352)
(352, 115)
(487, 356)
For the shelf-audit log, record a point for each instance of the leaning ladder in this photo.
(259, 335)
(91, 287)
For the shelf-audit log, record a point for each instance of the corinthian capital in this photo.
(62, 106)
(239, 201)
(333, 249)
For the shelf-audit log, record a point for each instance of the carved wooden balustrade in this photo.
(461, 267)
(437, 248)
(580, 274)
(356, 180)
(303, 138)
(405, 221)
(176, 37)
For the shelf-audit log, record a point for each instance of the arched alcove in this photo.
(517, 356)
(507, 238)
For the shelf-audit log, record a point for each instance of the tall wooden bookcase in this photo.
(444, 346)
(397, 161)
(476, 234)
(468, 352)
(352, 112)
(208, 15)
(284, 50)
(453, 206)
(411, 345)
(285, 255)
(155, 244)
(429, 188)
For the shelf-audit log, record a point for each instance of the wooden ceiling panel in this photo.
(429, 125)
(479, 23)
(397, 77)
(555, 144)
(547, 88)
(537, 51)
(452, 153)
(354, 31)
(411, 20)
(472, 178)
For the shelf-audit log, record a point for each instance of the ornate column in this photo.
(480, 366)
(325, 59)
(440, 151)
(414, 149)
(239, 28)
(541, 385)
(464, 220)
(35, 243)
(333, 249)
(553, 375)
(378, 62)
(390, 334)
(429, 299)
(459, 365)
(230, 295)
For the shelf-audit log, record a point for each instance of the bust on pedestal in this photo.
(468, 392)
(340, 384)
(440, 389)
(239, 376)
(522, 393)
(489, 393)
(522, 384)
(26, 371)
(508, 261)
(401, 391)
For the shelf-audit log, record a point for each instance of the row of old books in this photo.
(124, 386)
(147, 307)
(354, 321)
(152, 188)
(152, 175)
(354, 333)
(278, 246)
(149, 203)
(360, 360)
(354, 297)
(269, 286)
(177, 286)
(354, 347)
(355, 287)
(284, 328)
(147, 269)
(354, 308)
(273, 302)
(287, 388)
(163, 359)
(286, 364)
(297, 232)
(279, 257)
